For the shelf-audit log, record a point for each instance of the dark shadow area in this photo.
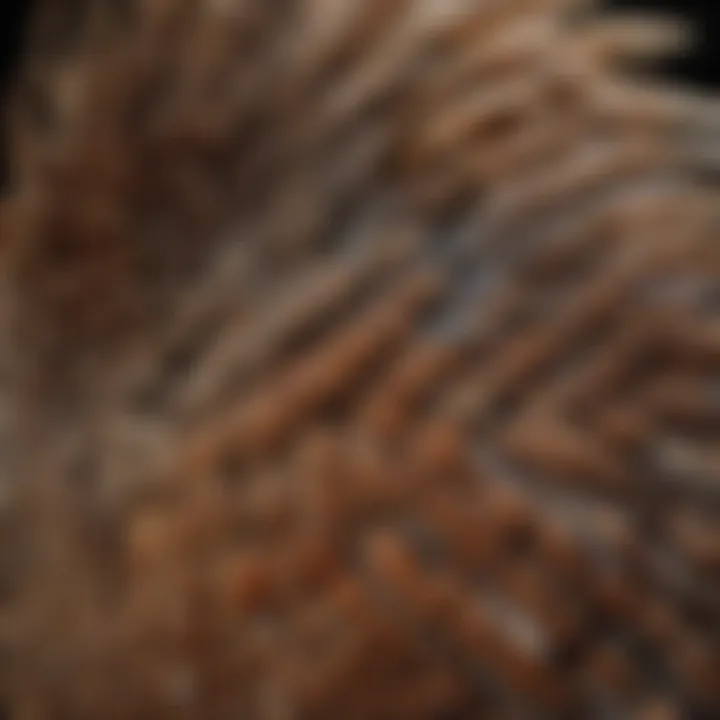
(702, 67)
(14, 17)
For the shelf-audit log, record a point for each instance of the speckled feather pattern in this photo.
(361, 360)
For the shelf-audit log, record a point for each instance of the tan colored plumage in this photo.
(361, 361)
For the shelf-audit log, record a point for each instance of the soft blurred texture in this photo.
(359, 359)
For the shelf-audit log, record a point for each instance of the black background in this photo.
(703, 67)
(14, 16)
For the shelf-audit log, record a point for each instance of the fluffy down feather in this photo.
(361, 360)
